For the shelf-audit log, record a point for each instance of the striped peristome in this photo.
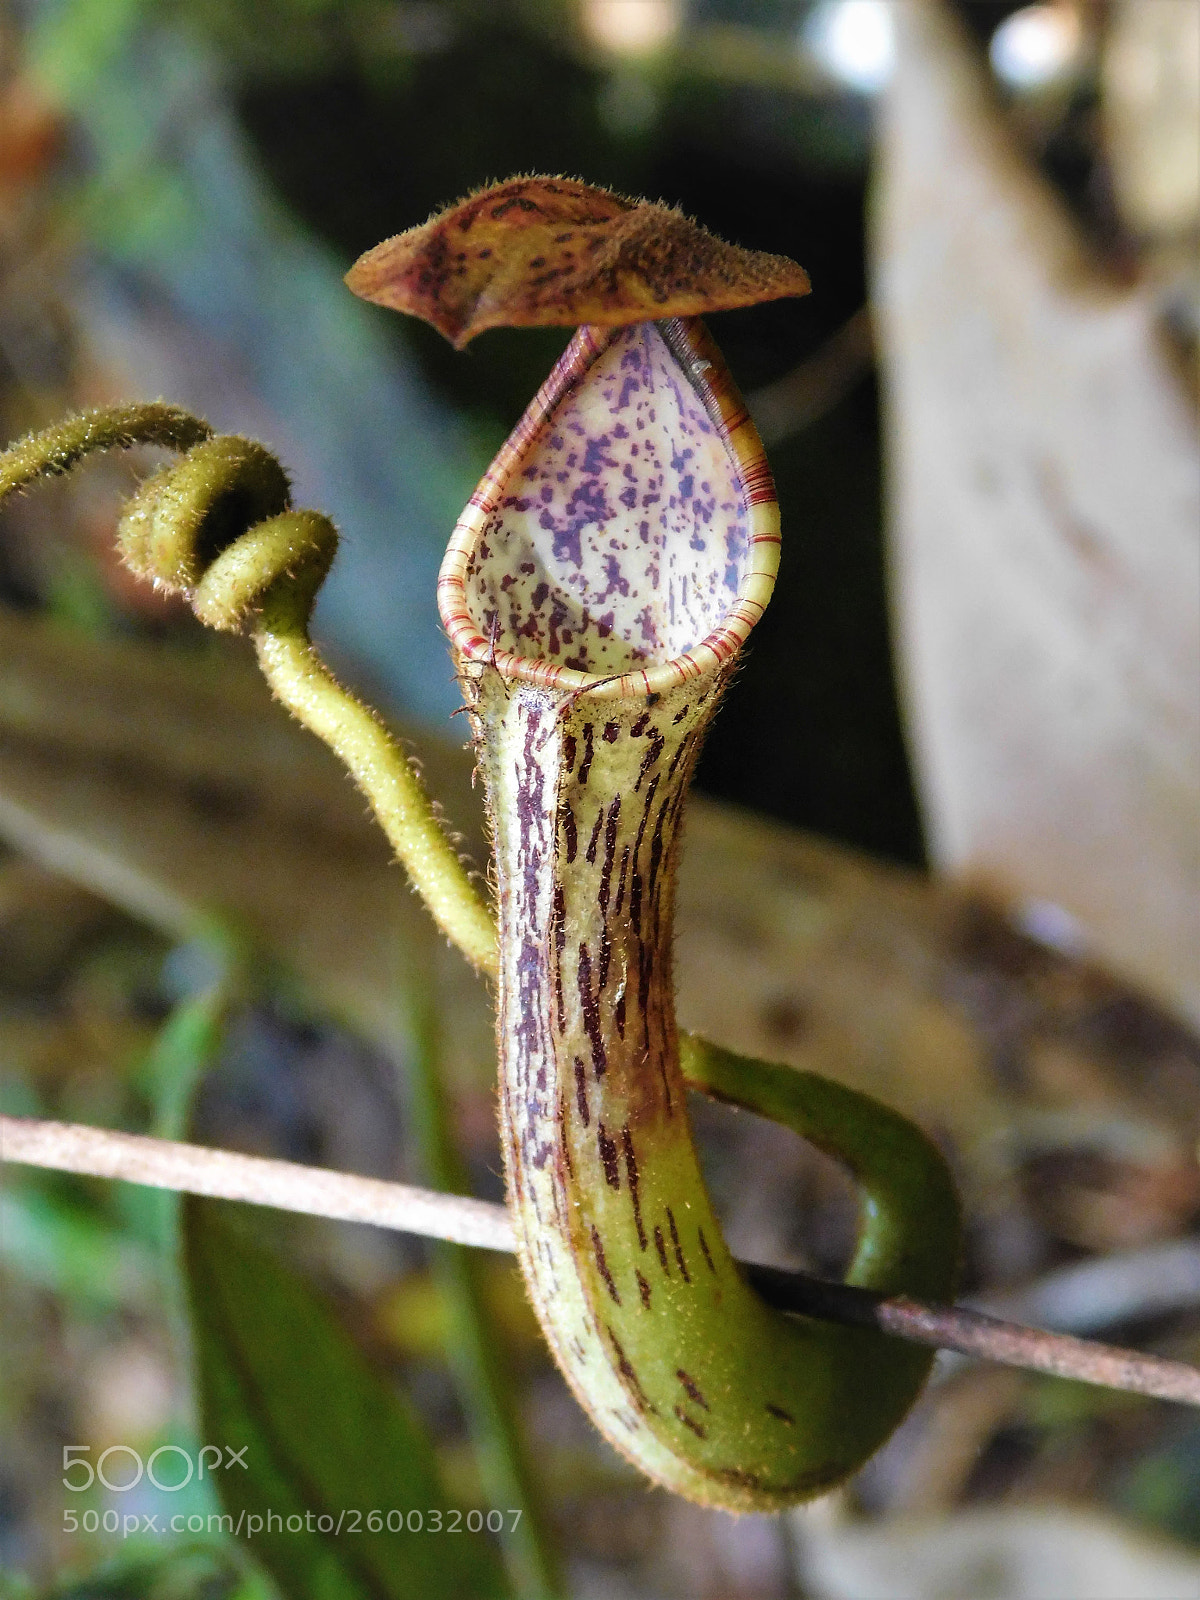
(597, 591)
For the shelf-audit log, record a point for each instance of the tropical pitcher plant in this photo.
(597, 592)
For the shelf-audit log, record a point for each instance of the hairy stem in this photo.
(395, 793)
(219, 527)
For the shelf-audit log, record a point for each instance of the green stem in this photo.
(56, 450)
(219, 527)
(395, 793)
(901, 1172)
(186, 1046)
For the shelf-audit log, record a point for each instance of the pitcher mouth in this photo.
(695, 542)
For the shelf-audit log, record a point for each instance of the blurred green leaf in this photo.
(75, 39)
(1163, 1488)
(183, 1573)
(187, 1045)
(52, 1242)
(77, 598)
(1052, 1402)
(327, 1437)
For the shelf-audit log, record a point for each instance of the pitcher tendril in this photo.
(218, 526)
(597, 592)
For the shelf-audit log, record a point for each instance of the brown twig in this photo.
(163, 1164)
(973, 1333)
(225, 1175)
(809, 390)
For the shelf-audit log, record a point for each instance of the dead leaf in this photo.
(1151, 107)
(1022, 1553)
(1045, 513)
(539, 251)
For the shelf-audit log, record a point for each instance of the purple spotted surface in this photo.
(622, 536)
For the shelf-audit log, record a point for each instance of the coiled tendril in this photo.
(218, 526)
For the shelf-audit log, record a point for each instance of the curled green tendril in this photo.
(56, 450)
(218, 526)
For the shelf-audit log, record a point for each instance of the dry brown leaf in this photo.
(555, 252)
(1151, 108)
(1010, 1553)
(1045, 532)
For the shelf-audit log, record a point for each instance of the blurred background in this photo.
(948, 845)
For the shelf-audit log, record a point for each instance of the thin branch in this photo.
(163, 1164)
(972, 1333)
(803, 395)
(224, 1175)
